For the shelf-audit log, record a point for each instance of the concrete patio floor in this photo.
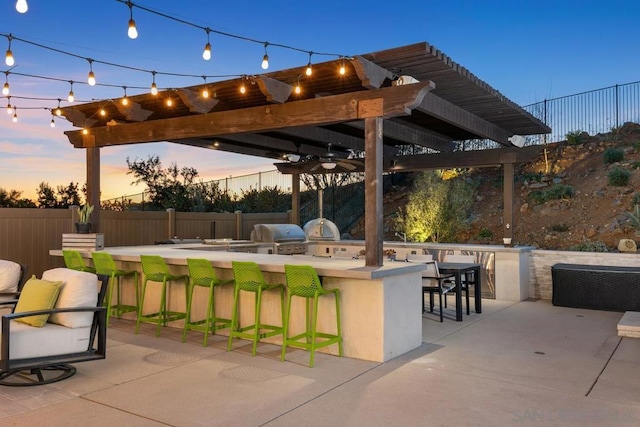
(526, 363)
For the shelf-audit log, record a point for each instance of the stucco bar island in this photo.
(381, 310)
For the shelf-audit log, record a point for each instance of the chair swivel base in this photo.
(37, 376)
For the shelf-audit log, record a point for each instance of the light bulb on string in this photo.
(9, 107)
(309, 71)
(205, 91)
(92, 77)
(53, 122)
(5, 89)
(297, 89)
(70, 97)
(154, 87)
(206, 53)
(15, 115)
(125, 100)
(22, 6)
(342, 70)
(103, 112)
(8, 59)
(132, 32)
(169, 102)
(265, 58)
(58, 111)
(243, 89)
(85, 131)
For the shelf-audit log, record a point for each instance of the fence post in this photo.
(171, 222)
(617, 108)
(238, 225)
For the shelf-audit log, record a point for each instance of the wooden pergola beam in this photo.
(396, 101)
(410, 135)
(336, 139)
(462, 159)
(446, 111)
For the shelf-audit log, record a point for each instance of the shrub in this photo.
(555, 192)
(636, 165)
(618, 177)
(485, 233)
(576, 137)
(589, 246)
(613, 155)
(560, 228)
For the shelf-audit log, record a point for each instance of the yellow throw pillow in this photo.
(37, 295)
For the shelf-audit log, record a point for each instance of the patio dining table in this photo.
(458, 269)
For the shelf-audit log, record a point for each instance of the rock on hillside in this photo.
(594, 214)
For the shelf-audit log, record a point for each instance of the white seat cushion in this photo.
(9, 276)
(50, 340)
(79, 289)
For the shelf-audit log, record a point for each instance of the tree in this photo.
(11, 199)
(437, 208)
(46, 196)
(168, 188)
(68, 196)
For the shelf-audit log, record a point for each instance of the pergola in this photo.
(385, 102)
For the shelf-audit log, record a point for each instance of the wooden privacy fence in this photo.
(27, 235)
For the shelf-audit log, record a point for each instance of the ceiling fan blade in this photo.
(347, 165)
(316, 166)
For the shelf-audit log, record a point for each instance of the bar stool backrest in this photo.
(154, 267)
(73, 260)
(302, 280)
(103, 262)
(460, 258)
(247, 275)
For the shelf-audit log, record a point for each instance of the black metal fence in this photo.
(596, 111)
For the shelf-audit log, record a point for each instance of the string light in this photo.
(132, 31)
(9, 107)
(342, 70)
(205, 91)
(5, 88)
(85, 131)
(15, 115)
(70, 97)
(243, 89)
(8, 59)
(265, 58)
(169, 102)
(22, 6)
(58, 111)
(92, 77)
(309, 71)
(154, 87)
(53, 122)
(297, 89)
(103, 112)
(125, 100)
(206, 54)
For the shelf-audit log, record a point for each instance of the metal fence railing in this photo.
(596, 111)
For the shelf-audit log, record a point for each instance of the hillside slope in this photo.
(594, 214)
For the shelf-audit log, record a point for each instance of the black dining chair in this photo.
(433, 282)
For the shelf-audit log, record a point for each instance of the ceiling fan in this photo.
(330, 161)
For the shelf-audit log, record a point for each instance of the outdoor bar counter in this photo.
(381, 310)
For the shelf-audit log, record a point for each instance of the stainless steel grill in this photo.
(287, 239)
(321, 229)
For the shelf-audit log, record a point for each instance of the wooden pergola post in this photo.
(295, 198)
(508, 162)
(93, 185)
(373, 212)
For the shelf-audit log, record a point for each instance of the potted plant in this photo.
(83, 226)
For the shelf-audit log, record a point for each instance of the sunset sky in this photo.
(528, 50)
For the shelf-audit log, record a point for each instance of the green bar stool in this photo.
(74, 261)
(203, 275)
(249, 278)
(303, 281)
(155, 269)
(106, 265)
